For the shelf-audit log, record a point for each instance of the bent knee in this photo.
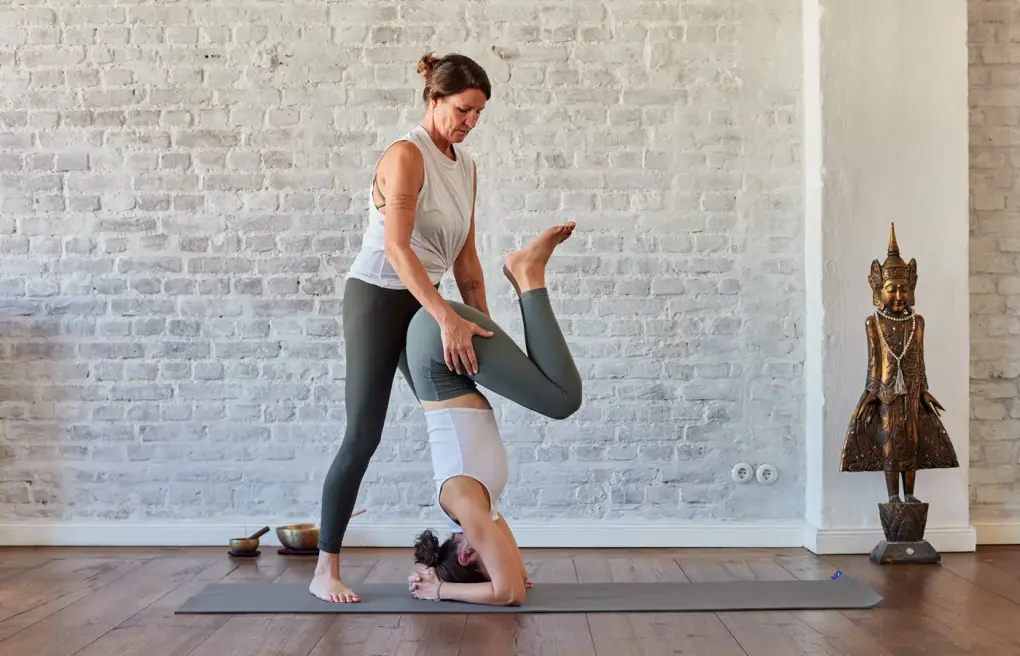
(568, 404)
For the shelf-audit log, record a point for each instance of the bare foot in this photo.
(525, 268)
(326, 583)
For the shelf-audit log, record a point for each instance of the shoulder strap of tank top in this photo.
(375, 171)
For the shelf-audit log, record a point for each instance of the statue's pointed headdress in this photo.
(893, 267)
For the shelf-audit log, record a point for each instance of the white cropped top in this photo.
(442, 217)
(466, 442)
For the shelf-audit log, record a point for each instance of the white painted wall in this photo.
(887, 138)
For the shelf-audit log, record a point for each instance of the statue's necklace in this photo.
(900, 387)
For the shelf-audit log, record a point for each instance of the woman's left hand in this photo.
(424, 583)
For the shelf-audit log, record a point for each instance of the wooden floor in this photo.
(121, 602)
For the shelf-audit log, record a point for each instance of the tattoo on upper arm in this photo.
(403, 201)
(471, 285)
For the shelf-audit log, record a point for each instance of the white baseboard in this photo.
(571, 534)
(529, 534)
(832, 541)
(998, 532)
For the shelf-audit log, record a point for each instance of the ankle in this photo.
(333, 573)
(328, 564)
(532, 279)
(529, 284)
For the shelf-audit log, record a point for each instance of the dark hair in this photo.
(450, 75)
(428, 552)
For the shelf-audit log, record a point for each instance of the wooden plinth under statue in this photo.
(896, 427)
(903, 524)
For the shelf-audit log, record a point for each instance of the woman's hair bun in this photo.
(426, 549)
(427, 64)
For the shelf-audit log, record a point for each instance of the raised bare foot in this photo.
(525, 268)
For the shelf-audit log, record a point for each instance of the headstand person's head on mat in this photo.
(454, 560)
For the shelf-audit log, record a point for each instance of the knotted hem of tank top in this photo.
(493, 505)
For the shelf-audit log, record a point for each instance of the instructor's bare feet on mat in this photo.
(525, 268)
(326, 583)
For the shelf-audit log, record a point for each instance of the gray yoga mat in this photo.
(395, 598)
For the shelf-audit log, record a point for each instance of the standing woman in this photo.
(421, 224)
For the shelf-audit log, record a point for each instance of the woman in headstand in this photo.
(481, 562)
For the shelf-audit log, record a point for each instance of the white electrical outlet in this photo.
(767, 474)
(742, 472)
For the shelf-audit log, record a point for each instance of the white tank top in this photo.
(466, 442)
(441, 223)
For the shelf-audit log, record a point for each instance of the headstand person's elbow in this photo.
(510, 595)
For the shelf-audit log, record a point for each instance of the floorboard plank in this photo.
(39, 593)
(964, 614)
(993, 572)
(265, 635)
(650, 634)
(77, 625)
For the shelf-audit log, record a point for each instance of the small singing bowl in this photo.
(244, 545)
(299, 537)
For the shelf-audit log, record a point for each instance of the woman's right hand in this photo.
(458, 350)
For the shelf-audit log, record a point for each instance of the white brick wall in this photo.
(995, 259)
(183, 187)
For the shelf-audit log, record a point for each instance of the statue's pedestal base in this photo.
(906, 553)
(904, 543)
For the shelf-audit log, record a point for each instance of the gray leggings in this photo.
(375, 321)
(544, 380)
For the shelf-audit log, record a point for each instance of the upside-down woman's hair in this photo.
(450, 75)
(443, 557)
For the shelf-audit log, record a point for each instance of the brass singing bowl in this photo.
(243, 545)
(248, 544)
(303, 537)
(299, 537)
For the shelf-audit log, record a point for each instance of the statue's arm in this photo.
(920, 354)
(929, 401)
(874, 380)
